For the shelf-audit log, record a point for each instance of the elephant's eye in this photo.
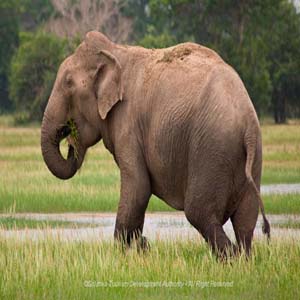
(69, 80)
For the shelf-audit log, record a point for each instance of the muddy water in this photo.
(171, 226)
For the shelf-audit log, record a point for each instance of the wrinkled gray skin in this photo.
(180, 125)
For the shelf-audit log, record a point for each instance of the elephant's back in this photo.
(187, 54)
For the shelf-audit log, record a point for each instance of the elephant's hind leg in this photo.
(201, 213)
(218, 240)
(244, 220)
(214, 235)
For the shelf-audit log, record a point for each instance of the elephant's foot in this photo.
(219, 242)
(142, 244)
(228, 252)
(137, 240)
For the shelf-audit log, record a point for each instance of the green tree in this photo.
(16, 15)
(284, 56)
(9, 28)
(156, 40)
(139, 12)
(33, 71)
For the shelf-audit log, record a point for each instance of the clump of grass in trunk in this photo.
(73, 138)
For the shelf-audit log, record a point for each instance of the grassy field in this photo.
(28, 186)
(53, 269)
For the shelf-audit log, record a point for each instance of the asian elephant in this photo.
(179, 124)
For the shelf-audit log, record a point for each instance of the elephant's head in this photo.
(87, 86)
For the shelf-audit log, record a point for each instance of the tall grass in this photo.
(54, 269)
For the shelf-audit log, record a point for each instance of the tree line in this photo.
(260, 39)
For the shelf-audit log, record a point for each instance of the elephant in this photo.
(179, 124)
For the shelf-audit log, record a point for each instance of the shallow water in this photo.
(171, 226)
(291, 188)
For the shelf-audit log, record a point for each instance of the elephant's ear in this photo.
(108, 83)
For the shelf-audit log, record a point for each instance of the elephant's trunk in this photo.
(51, 136)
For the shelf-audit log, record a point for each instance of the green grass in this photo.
(28, 186)
(54, 269)
(8, 223)
(281, 153)
(282, 204)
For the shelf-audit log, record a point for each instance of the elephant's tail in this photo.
(251, 145)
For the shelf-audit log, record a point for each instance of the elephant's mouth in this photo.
(70, 133)
(64, 133)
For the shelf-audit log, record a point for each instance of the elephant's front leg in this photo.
(135, 194)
